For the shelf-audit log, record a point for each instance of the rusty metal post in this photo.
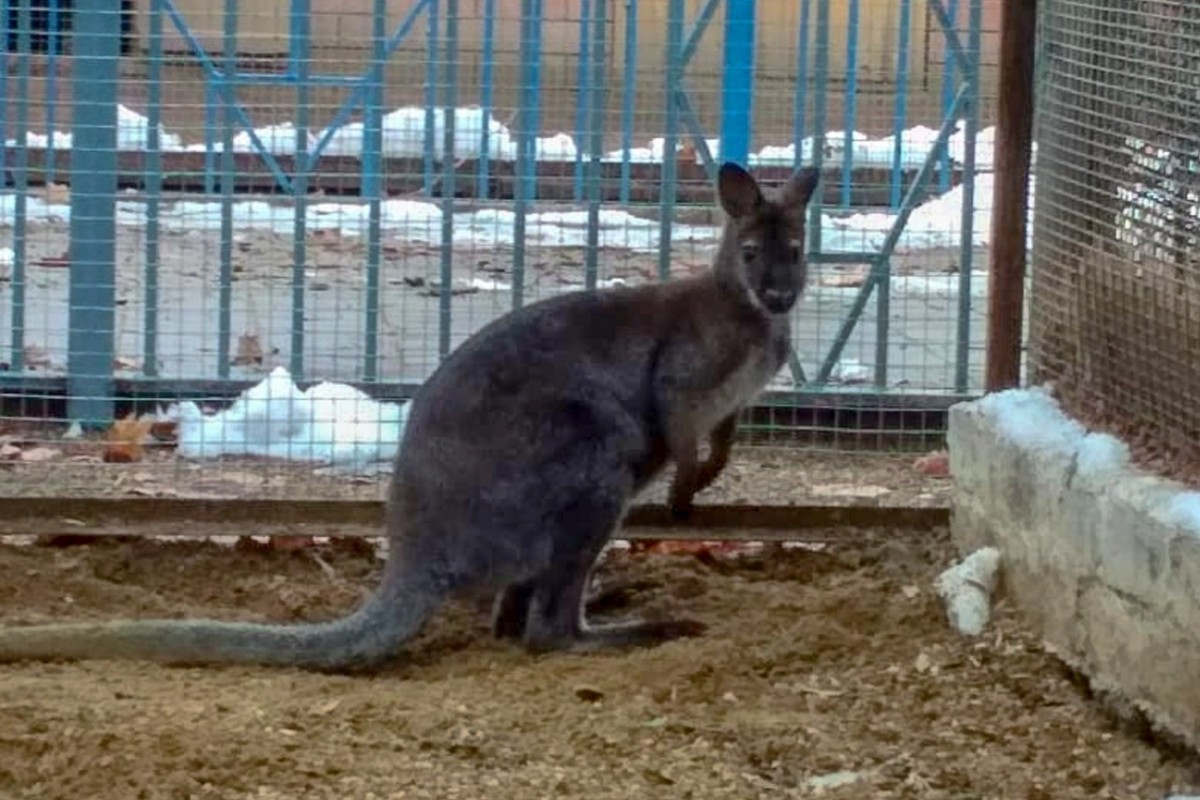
(1014, 138)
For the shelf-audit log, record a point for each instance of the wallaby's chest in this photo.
(758, 364)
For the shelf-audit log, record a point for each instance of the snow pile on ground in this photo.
(133, 134)
(329, 424)
(933, 224)
(936, 223)
(403, 136)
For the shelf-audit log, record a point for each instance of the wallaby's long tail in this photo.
(365, 638)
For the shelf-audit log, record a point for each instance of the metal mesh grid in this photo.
(1115, 312)
(230, 265)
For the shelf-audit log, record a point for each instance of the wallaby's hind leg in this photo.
(555, 621)
(511, 609)
(555, 617)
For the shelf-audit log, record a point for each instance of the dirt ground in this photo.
(824, 673)
(759, 475)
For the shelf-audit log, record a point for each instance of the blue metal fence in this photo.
(93, 162)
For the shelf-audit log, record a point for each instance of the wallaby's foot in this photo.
(511, 608)
(510, 611)
(681, 508)
(682, 502)
(618, 636)
(617, 595)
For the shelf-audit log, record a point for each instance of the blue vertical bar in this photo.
(596, 147)
(534, 99)
(530, 98)
(153, 179)
(300, 45)
(850, 108)
(628, 97)
(228, 89)
(821, 79)
(372, 182)
(900, 112)
(883, 318)
(583, 78)
(92, 294)
(520, 204)
(800, 100)
(21, 178)
(737, 81)
(486, 96)
(4, 32)
(947, 97)
(670, 165)
(431, 91)
(52, 39)
(967, 245)
(211, 104)
(448, 179)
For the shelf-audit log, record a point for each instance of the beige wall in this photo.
(263, 25)
(341, 31)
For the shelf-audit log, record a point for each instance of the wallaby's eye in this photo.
(749, 251)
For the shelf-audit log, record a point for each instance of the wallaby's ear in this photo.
(799, 189)
(738, 190)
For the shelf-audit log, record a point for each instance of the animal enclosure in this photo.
(247, 204)
(236, 237)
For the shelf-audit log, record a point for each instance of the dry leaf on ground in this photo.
(935, 464)
(249, 351)
(126, 440)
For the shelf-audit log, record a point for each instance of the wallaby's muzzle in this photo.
(779, 301)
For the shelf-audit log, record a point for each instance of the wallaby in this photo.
(523, 450)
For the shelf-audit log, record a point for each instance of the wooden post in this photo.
(1014, 138)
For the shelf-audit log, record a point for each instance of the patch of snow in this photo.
(1099, 457)
(133, 134)
(1032, 418)
(403, 136)
(966, 589)
(849, 370)
(933, 224)
(329, 423)
(403, 133)
(1183, 510)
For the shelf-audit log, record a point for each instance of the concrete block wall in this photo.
(1101, 557)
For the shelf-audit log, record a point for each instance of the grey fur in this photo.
(523, 450)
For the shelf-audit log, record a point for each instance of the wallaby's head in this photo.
(763, 246)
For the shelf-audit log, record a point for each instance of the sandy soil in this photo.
(819, 667)
(757, 475)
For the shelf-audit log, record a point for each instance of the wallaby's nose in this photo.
(778, 299)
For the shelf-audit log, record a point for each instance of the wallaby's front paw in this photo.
(681, 510)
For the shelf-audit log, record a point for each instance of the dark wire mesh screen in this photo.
(1115, 305)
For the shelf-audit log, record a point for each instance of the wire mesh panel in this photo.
(1115, 312)
(300, 207)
